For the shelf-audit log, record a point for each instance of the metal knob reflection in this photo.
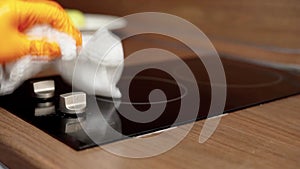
(72, 125)
(44, 109)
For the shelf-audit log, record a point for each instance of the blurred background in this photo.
(266, 23)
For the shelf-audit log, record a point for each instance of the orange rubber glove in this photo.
(16, 16)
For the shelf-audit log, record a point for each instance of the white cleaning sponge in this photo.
(96, 70)
(98, 67)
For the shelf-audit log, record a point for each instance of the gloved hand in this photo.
(16, 16)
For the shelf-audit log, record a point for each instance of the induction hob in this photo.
(248, 84)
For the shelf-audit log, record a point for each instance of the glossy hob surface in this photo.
(107, 120)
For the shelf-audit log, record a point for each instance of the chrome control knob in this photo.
(44, 89)
(73, 103)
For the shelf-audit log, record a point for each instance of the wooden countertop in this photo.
(265, 136)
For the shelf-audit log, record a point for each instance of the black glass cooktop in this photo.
(248, 84)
